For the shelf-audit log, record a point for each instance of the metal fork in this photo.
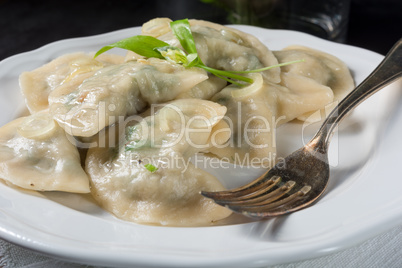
(301, 178)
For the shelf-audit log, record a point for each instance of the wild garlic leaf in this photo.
(151, 47)
(181, 29)
(269, 67)
(230, 74)
(141, 44)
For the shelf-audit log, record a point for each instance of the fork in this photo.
(302, 177)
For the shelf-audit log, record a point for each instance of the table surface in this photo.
(27, 25)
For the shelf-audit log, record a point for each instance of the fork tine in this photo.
(261, 183)
(261, 197)
(270, 210)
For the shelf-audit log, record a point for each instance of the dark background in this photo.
(26, 25)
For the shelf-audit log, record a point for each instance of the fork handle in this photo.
(387, 72)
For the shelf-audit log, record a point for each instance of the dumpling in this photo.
(168, 193)
(256, 111)
(296, 96)
(36, 154)
(204, 90)
(219, 46)
(325, 69)
(251, 118)
(119, 90)
(36, 85)
(226, 48)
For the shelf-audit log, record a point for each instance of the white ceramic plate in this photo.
(363, 198)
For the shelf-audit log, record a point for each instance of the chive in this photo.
(151, 167)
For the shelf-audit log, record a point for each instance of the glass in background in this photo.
(327, 19)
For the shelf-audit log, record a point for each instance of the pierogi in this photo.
(251, 121)
(169, 194)
(36, 85)
(36, 154)
(320, 72)
(219, 46)
(143, 119)
(255, 111)
(119, 90)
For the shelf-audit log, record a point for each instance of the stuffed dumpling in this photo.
(323, 70)
(36, 85)
(119, 90)
(251, 120)
(36, 154)
(147, 177)
(219, 46)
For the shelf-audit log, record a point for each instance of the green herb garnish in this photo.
(151, 167)
(140, 44)
(151, 47)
